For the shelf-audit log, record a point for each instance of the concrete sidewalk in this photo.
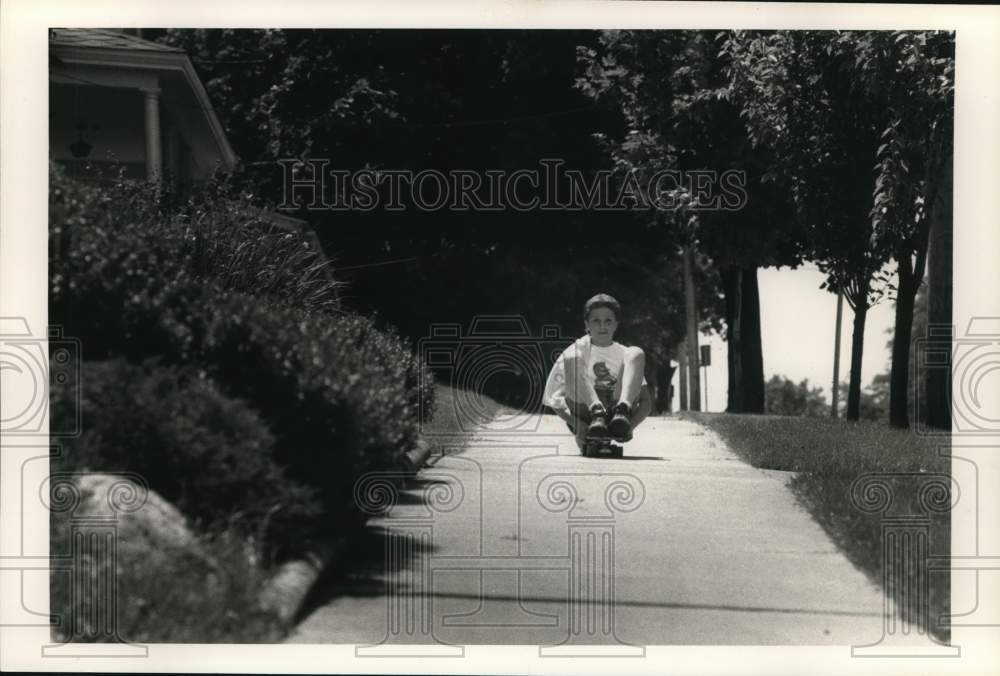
(520, 540)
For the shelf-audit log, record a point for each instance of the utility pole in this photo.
(691, 312)
(682, 374)
(706, 361)
(836, 357)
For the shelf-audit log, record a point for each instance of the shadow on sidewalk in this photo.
(363, 565)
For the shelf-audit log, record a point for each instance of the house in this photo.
(117, 101)
(114, 97)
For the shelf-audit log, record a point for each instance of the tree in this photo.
(916, 395)
(798, 99)
(656, 320)
(917, 391)
(911, 75)
(784, 397)
(874, 401)
(836, 102)
(446, 99)
(939, 288)
(291, 94)
(672, 90)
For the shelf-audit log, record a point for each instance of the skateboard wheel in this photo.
(602, 448)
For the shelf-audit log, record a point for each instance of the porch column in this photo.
(154, 154)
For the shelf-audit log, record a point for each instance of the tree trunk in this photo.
(900, 370)
(835, 392)
(745, 362)
(664, 394)
(691, 312)
(751, 349)
(732, 283)
(939, 286)
(911, 274)
(857, 352)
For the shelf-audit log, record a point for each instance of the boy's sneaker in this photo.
(620, 427)
(598, 427)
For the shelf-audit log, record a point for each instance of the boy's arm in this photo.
(554, 394)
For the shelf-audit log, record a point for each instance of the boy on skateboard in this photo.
(597, 385)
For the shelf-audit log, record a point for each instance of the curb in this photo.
(286, 591)
(414, 459)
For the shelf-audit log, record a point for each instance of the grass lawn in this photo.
(827, 456)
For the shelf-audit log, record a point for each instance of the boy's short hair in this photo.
(602, 300)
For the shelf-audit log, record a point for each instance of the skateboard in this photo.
(602, 447)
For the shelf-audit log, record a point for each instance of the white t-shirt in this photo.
(605, 366)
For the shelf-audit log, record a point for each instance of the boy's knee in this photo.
(643, 407)
(645, 403)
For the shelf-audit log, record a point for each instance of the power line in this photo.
(375, 265)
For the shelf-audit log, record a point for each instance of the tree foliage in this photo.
(860, 126)
(676, 99)
(446, 100)
(673, 91)
(839, 135)
(785, 397)
(798, 101)
(291, 93)
(913, 75)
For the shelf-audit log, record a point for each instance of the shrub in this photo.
(208, 454)
(133, 279)
(341, 396)
(784, 397)
(117, 253)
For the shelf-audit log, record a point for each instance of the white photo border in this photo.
(23, 293)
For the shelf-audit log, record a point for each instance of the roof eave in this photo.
(150, 60)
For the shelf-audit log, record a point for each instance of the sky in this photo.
(797, 331)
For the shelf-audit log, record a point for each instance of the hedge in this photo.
(210, 455)
(207, 288)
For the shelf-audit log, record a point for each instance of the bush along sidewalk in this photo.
(220, 367)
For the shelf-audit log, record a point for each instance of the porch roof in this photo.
(103, 48)
(102, 37)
